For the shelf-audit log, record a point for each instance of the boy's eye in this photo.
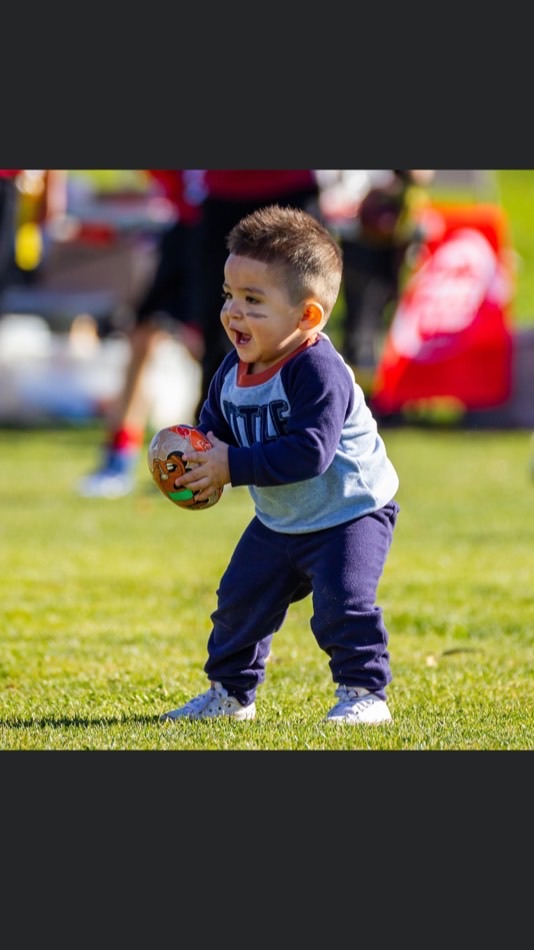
(226, 295)
(253, 300)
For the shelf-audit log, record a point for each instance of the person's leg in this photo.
(368, 286)
(253, 597)
(252, 601)
(345, 564)
(126, 421)
(165, 309)
(132, 407)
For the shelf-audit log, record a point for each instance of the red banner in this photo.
(450, 336)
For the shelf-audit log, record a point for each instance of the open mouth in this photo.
(241, 339)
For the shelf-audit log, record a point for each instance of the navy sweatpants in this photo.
(340, 567)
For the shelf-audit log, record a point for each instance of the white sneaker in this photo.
(104, 485)
(215, 702)
(357, 705)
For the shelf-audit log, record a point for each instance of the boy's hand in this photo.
(211, 470)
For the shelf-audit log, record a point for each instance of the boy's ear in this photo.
(313, 315)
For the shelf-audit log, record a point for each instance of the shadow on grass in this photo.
(78, 721)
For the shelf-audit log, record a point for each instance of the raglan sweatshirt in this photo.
(302, 438)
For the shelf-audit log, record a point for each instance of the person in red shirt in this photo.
(166, 307)
(187, 289)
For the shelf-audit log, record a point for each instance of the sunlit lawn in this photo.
(105, 606)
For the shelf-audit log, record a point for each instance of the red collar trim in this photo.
(245, 378)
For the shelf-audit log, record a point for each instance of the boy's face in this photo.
(257, 314)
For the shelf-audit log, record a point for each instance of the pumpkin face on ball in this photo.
(165, 461)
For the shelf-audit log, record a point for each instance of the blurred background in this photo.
(85, 245)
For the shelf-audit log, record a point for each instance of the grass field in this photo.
(105, 607)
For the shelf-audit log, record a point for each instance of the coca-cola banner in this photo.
(450, 336)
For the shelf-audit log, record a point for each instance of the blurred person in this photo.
(212, 200)
(42, 201)
(375, 214)
(286, 418)
(30, 200)
(165, 309)
(230, 194)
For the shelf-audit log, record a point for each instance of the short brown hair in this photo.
(294, 241)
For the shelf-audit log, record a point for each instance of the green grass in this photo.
(105, 606)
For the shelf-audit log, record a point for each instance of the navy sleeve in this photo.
(321, 391)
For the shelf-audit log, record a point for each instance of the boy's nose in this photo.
(233, 310)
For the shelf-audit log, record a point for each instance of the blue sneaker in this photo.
(114, 479)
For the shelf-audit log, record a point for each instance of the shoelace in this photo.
(348, 693)
(216, 693)
(202, 699)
